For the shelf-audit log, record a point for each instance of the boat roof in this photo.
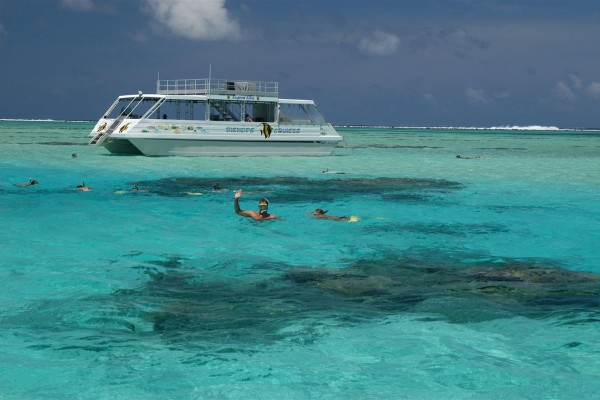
(188, 97)
(210, 87)
(163, 96)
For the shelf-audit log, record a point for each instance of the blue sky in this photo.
(386, 62)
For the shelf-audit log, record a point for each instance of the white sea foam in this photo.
(502, 127)
(527, 128)
(499, 127)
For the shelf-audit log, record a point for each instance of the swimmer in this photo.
(261, 215)
(74, 155)
(320, 214)
(327, 171)
(83, 187)
(135, 188)
(217, 186)
(31, 182)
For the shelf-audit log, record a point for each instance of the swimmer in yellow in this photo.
(319, 213)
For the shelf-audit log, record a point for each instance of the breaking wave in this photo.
(499, 127)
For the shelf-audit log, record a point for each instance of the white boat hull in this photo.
(182, 147)
(177, 138)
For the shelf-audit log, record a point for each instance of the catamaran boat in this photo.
(205, 117)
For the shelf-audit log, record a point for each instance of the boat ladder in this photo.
(100, 137)
(224, 110)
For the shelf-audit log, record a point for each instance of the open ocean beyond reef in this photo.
(463, 278)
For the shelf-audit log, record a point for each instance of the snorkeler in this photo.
(467, 158)
(83, 187)
(261, 215)
(31, 182)
(320, 214)
(327, 171)
(135, 188)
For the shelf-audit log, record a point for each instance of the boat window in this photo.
(300, 114)
(261, 112)
(314, 114)
(225, 110)
(121, 107)
(131, 107)
(182, 110)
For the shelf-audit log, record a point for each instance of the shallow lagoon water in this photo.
(463, 278)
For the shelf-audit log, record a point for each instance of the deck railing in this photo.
(217, 86)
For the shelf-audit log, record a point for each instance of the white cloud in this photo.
(564, 91)
(379, 44)
(198, 20)
(78, 5)
(477, 96)
(576, 81)
(577, 89)
(593, 90)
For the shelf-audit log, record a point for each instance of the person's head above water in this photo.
(319, 213)
(83, 187)
(30, 183)
(263, 206)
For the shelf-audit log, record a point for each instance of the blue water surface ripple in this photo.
(460, 277)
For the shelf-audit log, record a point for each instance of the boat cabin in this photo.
(216, 100)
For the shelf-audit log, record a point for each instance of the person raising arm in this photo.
(261, 215)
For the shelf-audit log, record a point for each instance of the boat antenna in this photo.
(209, 77)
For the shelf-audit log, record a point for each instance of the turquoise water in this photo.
(463, 278)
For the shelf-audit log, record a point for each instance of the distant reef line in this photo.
(505, 128)
(491, 128)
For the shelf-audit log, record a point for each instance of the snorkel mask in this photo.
(263, 205)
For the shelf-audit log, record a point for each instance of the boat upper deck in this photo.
(217, 87)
